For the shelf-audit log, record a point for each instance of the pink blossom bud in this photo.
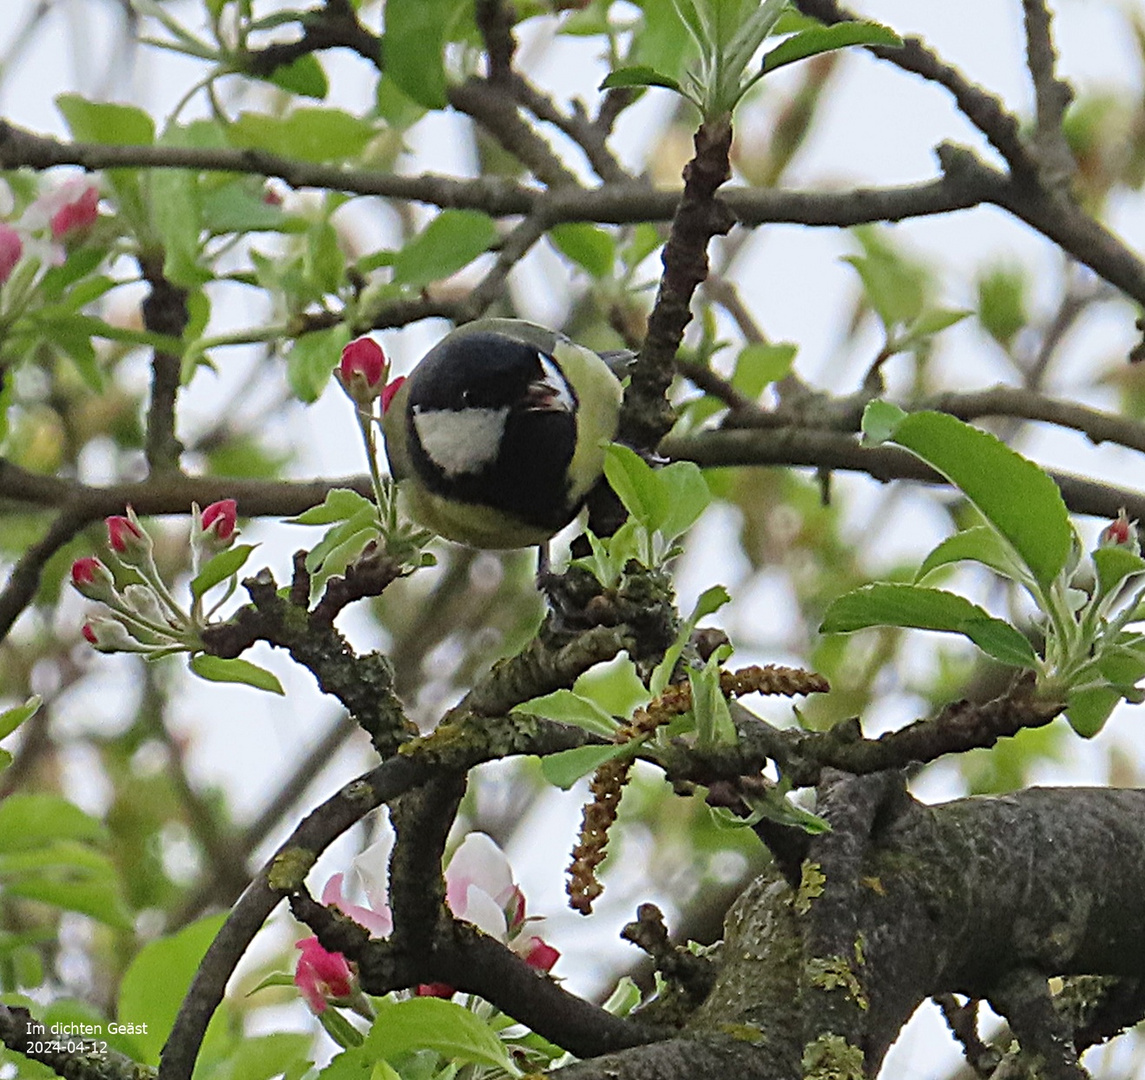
(11, 248)
(109, 635)
(363, 369)
(322, 976)
(92, 579)
(77, 216)
(1121, 532)
(390, 389)
(540, 954)
(218, 523)
(437, 990)
(127, 538)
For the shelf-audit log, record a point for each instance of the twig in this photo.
(984, 110)
(1051, 96)
(492, 107)
(164, 312)
(833, 450)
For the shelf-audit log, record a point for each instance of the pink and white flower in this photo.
(479, 888)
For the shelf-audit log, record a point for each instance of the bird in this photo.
(499, 433)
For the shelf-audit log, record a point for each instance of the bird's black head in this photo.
(491, 421)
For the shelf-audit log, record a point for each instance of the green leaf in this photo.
(566, 767)
(221, 567)
(1002, 303)
(589, 246)
(687, 496)
(414, 47)
(312, 359)
(175, 213)
(263, 1057)
(1088, 710)
(894, 285)
(237, 670)
(932, 321)
(821, 39)
(106, 122)
(11, 719)
(235, 208)
(308, 133)
(303, 75)
(363, 525)
(928, 609)
(427, 1023)
(339, 505)
(977, 544)
(714, 724)
(568, 708)
(636, 485)
(69, 875)
(1011, 492)
(452, 240)
(880, 422)
(32, 821)
(639, 75)
(156, 981)
(1114, 565)
(758, 365)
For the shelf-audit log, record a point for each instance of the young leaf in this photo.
(687, 497)
(821, 39)
(414, 48)
(1010, 491)
(11, 719)
(310, 133)
(566, 767)
(311, 361)
(637, 486)
(221, 567)
(714, 724)
(979, 544)
(880, 422)
(340, 504)
(428, 1023)
(590, 247)
(237, 670)
(451, 241)
(928, 609)
(758, 365)
(105, 122)
(1087, 710)
(568, 708)
(1114, 565)
(639, 75)
(155, 983)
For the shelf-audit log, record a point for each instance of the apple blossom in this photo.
(322, 976)
(108, 635)
(1121, 532)
(479, 888)
(362, 371)
(218, 523)
(127, 538)
(92, 579)
(76, 215)
(11, 248)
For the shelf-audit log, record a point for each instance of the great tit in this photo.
(499, 433)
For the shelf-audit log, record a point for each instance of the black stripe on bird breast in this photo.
(528, 480)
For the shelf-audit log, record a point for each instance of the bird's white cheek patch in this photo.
(460, 442)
